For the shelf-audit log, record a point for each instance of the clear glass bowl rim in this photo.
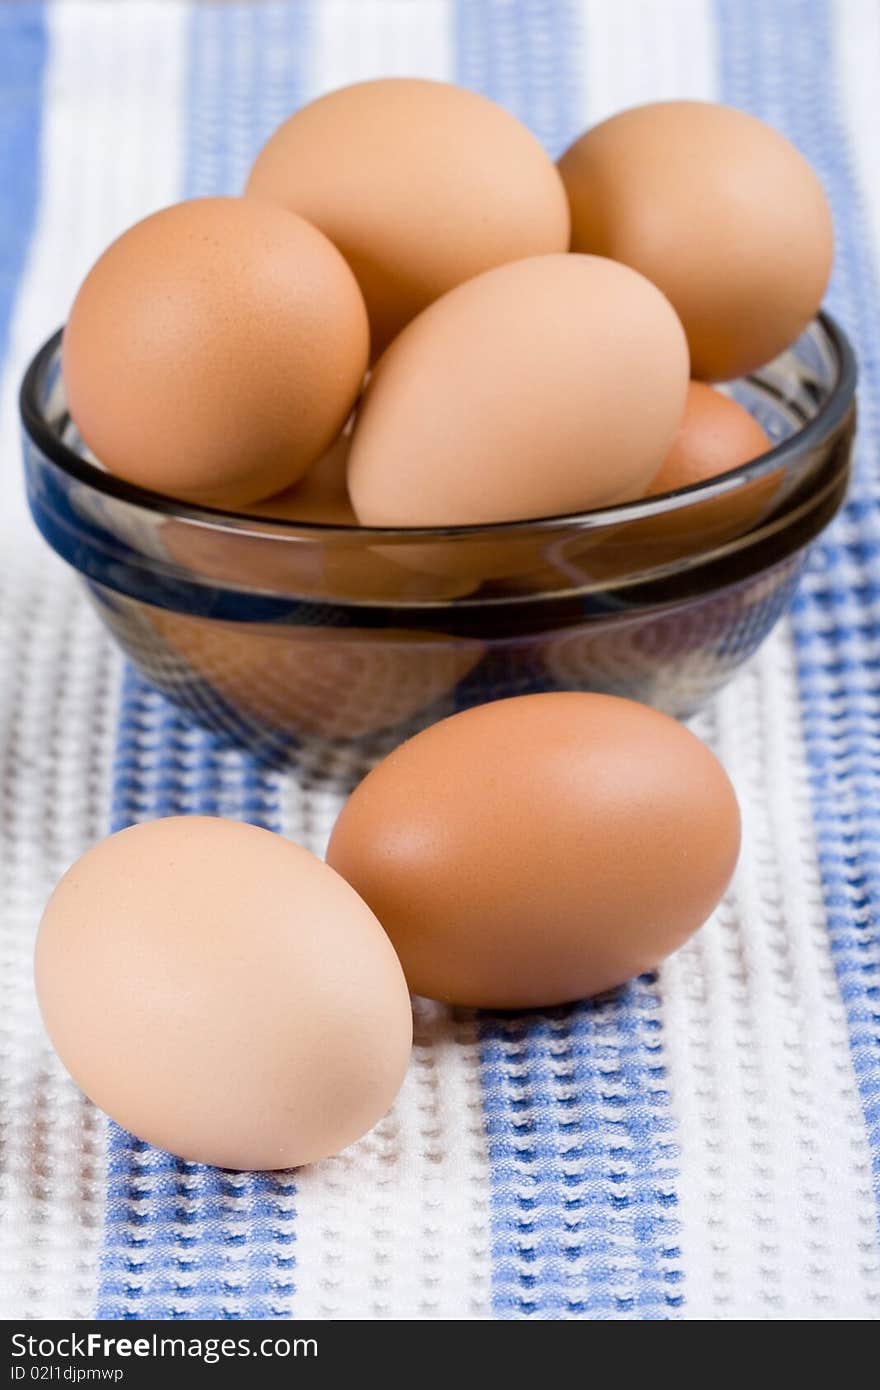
(827, 419)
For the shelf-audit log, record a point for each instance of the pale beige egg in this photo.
(537, 389)
(223, 994)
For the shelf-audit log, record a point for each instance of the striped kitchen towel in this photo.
(704, 1145)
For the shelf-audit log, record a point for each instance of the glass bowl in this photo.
(275, 633)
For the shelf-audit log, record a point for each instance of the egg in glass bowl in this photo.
(275, 631)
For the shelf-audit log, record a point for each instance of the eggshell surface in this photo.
(540, 849)
(716, 435)
(338, 568)
(320, 495)
(420, 184)
(214, 351)
(717, 209)
(341, 568)
(537, 389)
(222, 994)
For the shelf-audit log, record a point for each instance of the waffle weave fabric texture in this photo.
(705, 1145)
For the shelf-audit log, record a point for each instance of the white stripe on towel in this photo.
(637, 52)
(352, 42)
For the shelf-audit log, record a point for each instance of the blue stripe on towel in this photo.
(23, 51)
(182, 1240)
(526, 55)
(583, 1157)
(583, 1161)
(778, 61)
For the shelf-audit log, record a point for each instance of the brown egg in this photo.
(214, 351)
(634, 549)
(539, 849)
(420, 184)
(536, 389)
(471, 559)
(340, 571)
(385, 570)
(716, 435)
(334, 683)
(341, 568)
(720, 211)
(222, 994)
(442, 571)
(321, 495)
